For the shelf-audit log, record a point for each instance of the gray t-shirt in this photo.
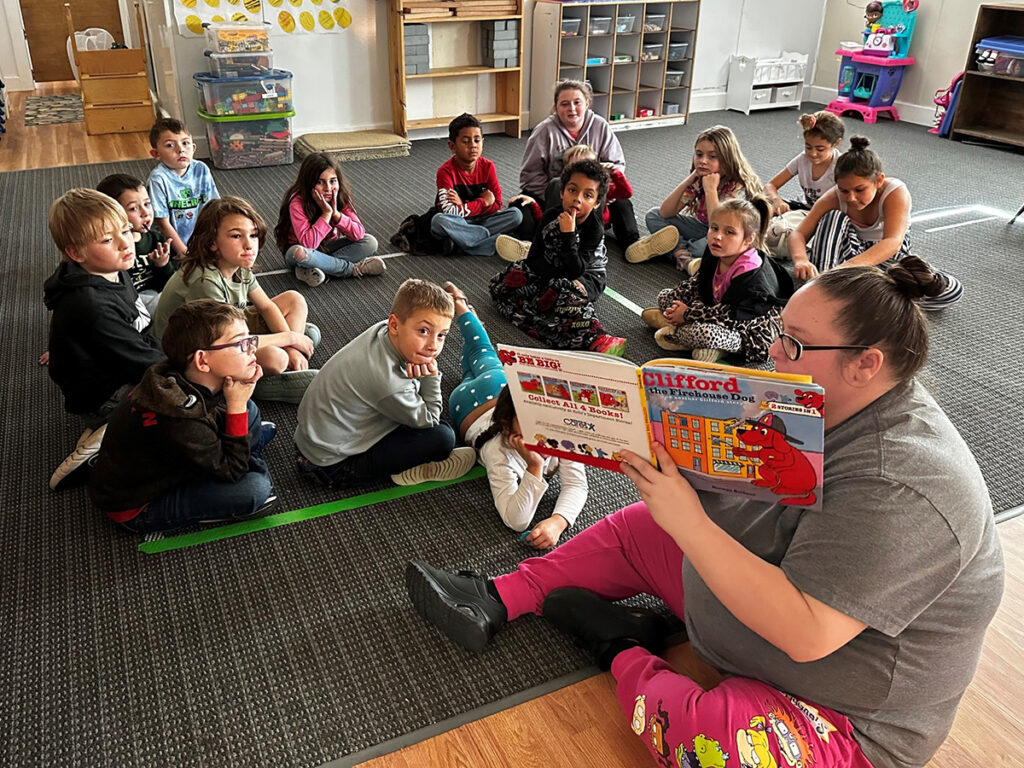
(906, 543)
(361, 395)
(204, 283)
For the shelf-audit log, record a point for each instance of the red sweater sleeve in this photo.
(619, 188)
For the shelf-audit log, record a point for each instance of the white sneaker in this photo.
(311, 276)
(707, 355)
(458, 463)
(371, 265)
(693, 266)
(662, 241)
(511, 249)
(75, 468)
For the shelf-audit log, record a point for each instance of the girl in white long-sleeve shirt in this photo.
(482, 412)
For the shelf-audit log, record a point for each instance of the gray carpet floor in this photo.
(297, 646)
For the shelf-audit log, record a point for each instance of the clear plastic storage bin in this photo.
(1003, 55)
(655, 22)
(233, 96)
(677, 51)
(673, 79)
(600, 25)
(240, 64)
(571, 27)
(652, 51)
(237, 36)
(670, 108)
(249, 142)
(623, 58)
(624, 24)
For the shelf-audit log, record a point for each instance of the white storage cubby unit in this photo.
(766, 83)
(637, 57)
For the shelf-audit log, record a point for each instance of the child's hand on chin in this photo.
(238, 391)
(414, 371)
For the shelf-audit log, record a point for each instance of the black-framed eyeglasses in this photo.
(794, 349)
(245, 346)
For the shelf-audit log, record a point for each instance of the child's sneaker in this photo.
(511, 249)
(313, 332)
(654, 318)
(609, 345)
(693, 266)
(311, 276)
(372, 265)
(708, 355)
(662, 241)
(662, 337)
(74, 470)
(458, 463)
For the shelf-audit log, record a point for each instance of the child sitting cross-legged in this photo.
(152, 268)
(184, 447)
(374, 409)
(469, 217)
(318, 230)
(99, 347)
(218, 265)
(551, 293)
(731, 303)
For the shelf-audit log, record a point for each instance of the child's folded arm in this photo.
(411, 408)
(307, 234)
(573, 495)
(620, 188)
(515, 497)
(349, 226)
(213, 453)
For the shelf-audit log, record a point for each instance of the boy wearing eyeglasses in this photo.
(184, 446)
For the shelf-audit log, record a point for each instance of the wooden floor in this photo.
(557, 730)
(49, 146)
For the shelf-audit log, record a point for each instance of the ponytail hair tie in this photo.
(814, 120)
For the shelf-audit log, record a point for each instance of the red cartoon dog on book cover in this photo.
(784, 469)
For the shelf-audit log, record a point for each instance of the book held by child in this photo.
(729, 430)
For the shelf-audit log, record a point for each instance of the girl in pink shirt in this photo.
(318, 230)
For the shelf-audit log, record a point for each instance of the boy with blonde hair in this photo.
(374, 409)
(179, 185)
(98, 348)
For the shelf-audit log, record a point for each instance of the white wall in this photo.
(942, 35)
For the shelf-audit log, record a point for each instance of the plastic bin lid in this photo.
(233, 54)
(235, 24)
(1004, 43)
(242, 118)
(270, 74)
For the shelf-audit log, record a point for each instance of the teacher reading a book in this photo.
(846, 636)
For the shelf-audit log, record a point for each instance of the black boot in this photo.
(602, 628)
(458, 604)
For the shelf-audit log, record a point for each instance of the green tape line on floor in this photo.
(298, 515)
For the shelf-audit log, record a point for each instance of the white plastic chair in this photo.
(92, 39)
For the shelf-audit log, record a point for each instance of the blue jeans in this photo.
(483, 377)
(206, 499)
(476, 236)
(693, 234)
(344, 254)
(401, 449)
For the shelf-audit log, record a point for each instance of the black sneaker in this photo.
(267, 432)
(455, 603)
(268, 507)
(601, 627)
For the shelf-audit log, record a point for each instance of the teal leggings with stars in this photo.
(482, 375)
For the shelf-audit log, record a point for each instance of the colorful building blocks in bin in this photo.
(249, 142)
(237, 36)
(231, 96)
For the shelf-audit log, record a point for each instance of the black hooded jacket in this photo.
(95, 345)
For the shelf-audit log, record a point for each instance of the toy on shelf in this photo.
(945, 105)
(870, 78)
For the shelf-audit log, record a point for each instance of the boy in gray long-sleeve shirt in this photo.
(374, 410)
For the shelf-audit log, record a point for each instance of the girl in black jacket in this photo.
(728, 305)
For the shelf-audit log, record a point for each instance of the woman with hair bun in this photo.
(846, 636)
(863, 221)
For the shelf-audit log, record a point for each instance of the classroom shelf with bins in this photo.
(636, 56)
(453, 57)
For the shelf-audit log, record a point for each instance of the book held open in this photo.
(729, 430)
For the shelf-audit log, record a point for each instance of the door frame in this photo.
(12, 26)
